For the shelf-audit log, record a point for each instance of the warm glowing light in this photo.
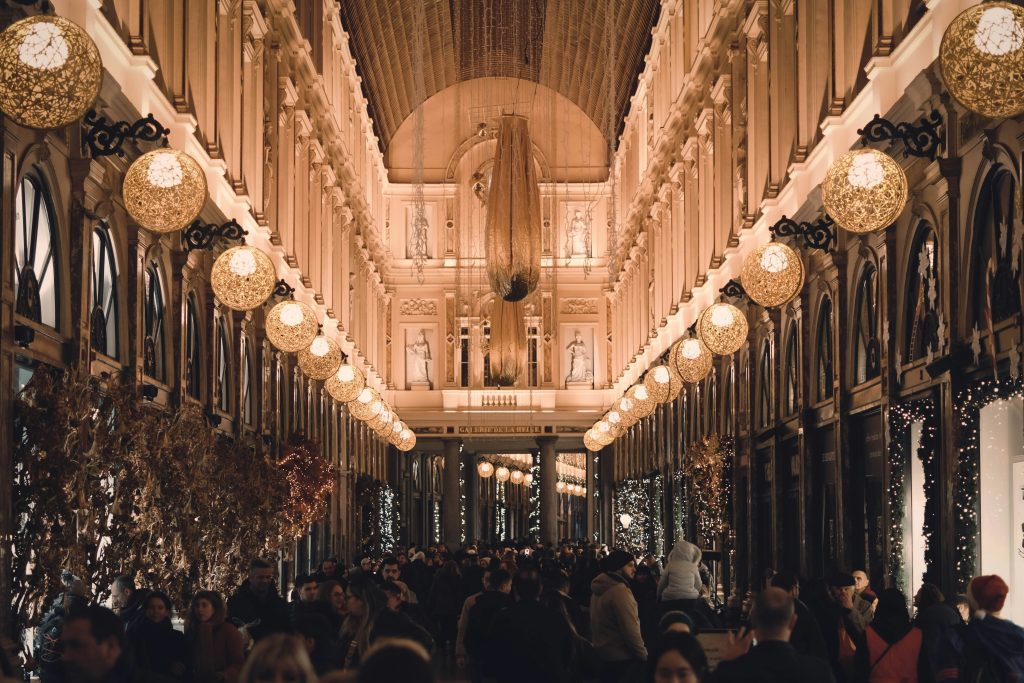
(292, 326)
(164, 190)
(485, 470)
(723, 328)
(243, 278)
(502, 473)
(864, 190)
(981, 59)
(772, 275)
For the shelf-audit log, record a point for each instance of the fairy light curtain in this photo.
(513, 232)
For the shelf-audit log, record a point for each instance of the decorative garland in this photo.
(535, 497)
(901, 416)
(631, 499)
(680, 508)
(499, 510)
(708, 468)
(389, 520)
(657, 504)
(965, 487)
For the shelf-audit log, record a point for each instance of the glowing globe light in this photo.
(590, 442)
(407, 441)
(603, 433)
(243, 278)
(641, 398)
(291, 326)
(164, 190)
(485, 470)
(346, 383)
(692, 359)
(658, 381)
(560, 487)
(772, 275)
(50, 72)
(366, 405)
(321, 359)
(502, 473)
(625, 519)
(516, 477)
(528, 479)
(982, 59)
(864, 190)
(723, 328)
(624, 406)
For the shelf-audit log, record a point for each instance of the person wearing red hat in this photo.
(994, 647)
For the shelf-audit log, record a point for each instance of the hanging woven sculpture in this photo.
(513, 214)
(508, 342)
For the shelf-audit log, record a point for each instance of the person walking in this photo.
(94, 647)
(214, 645)
(678, 659)
(444, 605)
(46, 646)
(256, 606)
(994, 647)
(806, 636)
(128, 601)
(530, 642)
(614, 620)
(161, 652)
(892, 646)
(364, 601)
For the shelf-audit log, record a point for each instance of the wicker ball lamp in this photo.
(723, 328)
(321, 360)
(692, 360)
(982, 59)
(291, 326)
(243, 278)
(164, 190)
(346, 383)
(772, 275)
(864, 190)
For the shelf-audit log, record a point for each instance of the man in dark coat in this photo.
(94, 647)
(806, 637)
(256, 604)
(128, 601)
(842, 626)
(773, 658)
(478, 622)
(47, 641)
(307, 603)
(530, 642)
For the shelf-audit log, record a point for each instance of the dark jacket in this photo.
(478, 624)
(773, 661)
(134, 613)
(160, 651)
(390, 624)
(300, 609)
(268, 615)
(806, 637)
(832, 617)
(445, 596)
(942, 642)
(533, 644)
(993, 651)
(46, 647)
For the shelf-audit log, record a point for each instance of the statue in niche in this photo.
(579, 362)
(418, 355)
(577, 236)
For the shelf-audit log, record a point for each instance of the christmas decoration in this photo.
(707, 467)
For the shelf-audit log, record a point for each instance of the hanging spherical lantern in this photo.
(512, 227)
(408, 440)
(658, 381)
(772, 274)
(642, 403)
(603, 432)
(381, 422)
(692, 359)
(590, 443)
(50, 72)
(723, 328)
(982, 59)
(395, 435)
(164, 190)
(502, 473)
(484, 469)
(243, 278)
(366, 405)
(560, 487)
(321, 359)
(864, 190)
(516, 477)
(291, 326)
(675, 387)
(345, 384)
(625, 519)
(614, 421)
(624, 407)
(528, 479)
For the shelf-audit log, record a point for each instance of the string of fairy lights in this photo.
(389, 520)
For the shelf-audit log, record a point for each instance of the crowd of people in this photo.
(532, 613)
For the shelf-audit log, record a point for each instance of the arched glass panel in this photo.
(791, 375)
(193, 349)
(764, 383)
(103, 319)
(923, 306)
(36, 272)
(826, 352)
(223, 367)
(994, 277)
(866, 349)
(248, 395)
(153, 352)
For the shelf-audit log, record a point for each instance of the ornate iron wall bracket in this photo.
(821, 234)
(24, 335)
(920, 140)
(44, 6)
(202, 235)
(103, 138)
(283, 289)
(733, 289)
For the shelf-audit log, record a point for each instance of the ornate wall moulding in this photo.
(418, 307)
(578, 306)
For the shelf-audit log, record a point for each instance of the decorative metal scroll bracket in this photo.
(200, 235)
(44, 6)
(104, 138)
(733, 289)
(920, 140)
(283, 289)
(821, 234)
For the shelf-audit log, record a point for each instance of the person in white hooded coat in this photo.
(681, 578)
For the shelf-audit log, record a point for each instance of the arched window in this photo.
(153, 357)
(866, 349)
(248, 396)
(825, 369)
(223, 367)
(993, 278)
(791, 375)
(36, 250)
(193, 348)
(764, 383)
(923, 309)
(103, 319)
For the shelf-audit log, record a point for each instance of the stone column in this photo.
(548, 494)
(452, 503)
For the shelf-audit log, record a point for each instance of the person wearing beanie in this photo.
(994, 647)
(676, 621)
(614, 619)
(842, 626)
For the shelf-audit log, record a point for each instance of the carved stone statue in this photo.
(577, 236)
(417, 357)
(579, 362)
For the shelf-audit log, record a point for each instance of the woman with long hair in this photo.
(214, 645)
(159, 649)
(679, 658)
(893, 645)
(332, 594)
(279, 657)
(445, 604)
(364, 601)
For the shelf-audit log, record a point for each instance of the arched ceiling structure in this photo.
(590, 51)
